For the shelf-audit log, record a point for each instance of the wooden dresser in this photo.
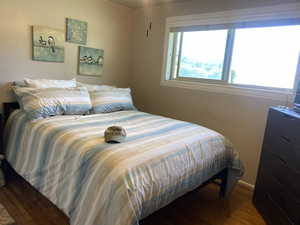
(277, 190)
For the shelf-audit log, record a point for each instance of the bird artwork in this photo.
(48, 44)
(91, 61)
(51, 43)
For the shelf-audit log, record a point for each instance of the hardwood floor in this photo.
(200, 207)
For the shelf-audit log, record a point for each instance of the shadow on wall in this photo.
(6, 93)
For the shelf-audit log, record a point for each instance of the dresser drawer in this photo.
(283, 125)
(294, 158)
(274, 166)
(286, 152)
(280, 147)
(285, 200)
(270, 210)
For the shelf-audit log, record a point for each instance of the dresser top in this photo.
(287, 111)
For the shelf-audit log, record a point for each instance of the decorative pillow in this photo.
(45, 102)
(45, 83)
(92, 87)
(113, 100)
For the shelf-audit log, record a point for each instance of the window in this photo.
(266, 56)
(255, 54)
(202, 54)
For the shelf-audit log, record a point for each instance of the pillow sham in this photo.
(45, 102)
(45, 83)
(20, 83)
(92, 87)
(113, 100)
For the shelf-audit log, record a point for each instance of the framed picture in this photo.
(76, 31)
(90, 61)
(48, 44)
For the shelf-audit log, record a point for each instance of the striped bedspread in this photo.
(96, 183)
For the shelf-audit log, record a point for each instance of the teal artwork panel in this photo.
(76, 31)
(90, 61)
(48, 44)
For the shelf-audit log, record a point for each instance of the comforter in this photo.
(96, 183)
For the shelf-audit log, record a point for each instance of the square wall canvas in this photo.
(90, 61)
(48, 44)
(76, 31)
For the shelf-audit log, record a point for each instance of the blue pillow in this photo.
(113, 100)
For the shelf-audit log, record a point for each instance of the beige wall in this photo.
(109, 28)
(241, 119)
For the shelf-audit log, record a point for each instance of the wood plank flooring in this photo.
(200, 207)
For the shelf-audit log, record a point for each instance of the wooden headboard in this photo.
(8, 108)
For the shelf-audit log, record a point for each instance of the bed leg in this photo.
(8, 172)
(223, 177)
(225, 201)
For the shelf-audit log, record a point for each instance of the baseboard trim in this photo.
(246, 185)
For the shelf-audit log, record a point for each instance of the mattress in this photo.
(97, 183)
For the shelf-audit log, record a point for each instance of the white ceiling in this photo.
(142, 3)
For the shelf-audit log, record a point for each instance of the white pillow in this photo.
(92, 87)
(44, 102)
(45, 83)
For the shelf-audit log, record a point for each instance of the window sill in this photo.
(274, 94)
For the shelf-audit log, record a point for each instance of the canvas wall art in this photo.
(90, 61)
(48, 44)
(76, 31)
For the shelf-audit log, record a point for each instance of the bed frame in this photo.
(8, 107)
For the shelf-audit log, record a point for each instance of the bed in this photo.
(96, 183)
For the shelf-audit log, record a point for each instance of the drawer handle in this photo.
(279, 157)
(282, 160)
(289, 117)
(286, 139)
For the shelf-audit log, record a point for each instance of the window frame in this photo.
(226, 60)
(278, 12)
